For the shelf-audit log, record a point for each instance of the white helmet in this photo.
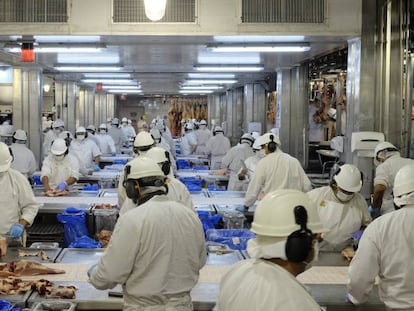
(385, 145)
(59, 146)
(267, 138)
(6, 130)
(247, 138)
(5, 157)
(274, 215)
(189, 126)
(155, 133)
(218, 129)
(65, 135)
(348, 178)
(103, 126)
(404, 181)
(143, 139)
(20, 135)
(255, 135)
(203, 122)
(91, 128)
(143, 167)
(124, 120)
(58, 123)
(158, 154)
(80, 129)
(115, 121)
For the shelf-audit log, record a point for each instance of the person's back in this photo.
(23, 159)
(118, 137)
(178, 192)
(218, 145)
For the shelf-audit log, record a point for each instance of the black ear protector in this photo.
(131, 186)
(166, 166)
(11, 153)
(246, 139)
(14, 139)
(299, 242)
(271, 146)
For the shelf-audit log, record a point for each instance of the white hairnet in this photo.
(267, 247)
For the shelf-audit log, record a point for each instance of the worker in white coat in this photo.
(386, 252)
(87, 152)
(160, 265)
(127, 129)
(390, 161)
(166, 134)
(58, 126)
(342, 210)
(59, 169)
(23, 158)
(203, 135)
(189, 140)
(249, 167)
(117, 135)
(18, 206)
(91, 130)
(277, 170)
(162, 143)
(217, 147)
(285, 223)
(106, 143)
(234, 159)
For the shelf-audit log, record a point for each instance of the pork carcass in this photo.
(26, 267)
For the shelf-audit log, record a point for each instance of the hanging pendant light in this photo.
(155, 9)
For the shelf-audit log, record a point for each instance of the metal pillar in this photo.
(254, 106)
(65, 99)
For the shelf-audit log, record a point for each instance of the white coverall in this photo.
(386, 250)
(203, 135)
(277, 170)
(85, 151)
(260, 285)
(106, 143)
(118, 137)
(93, 138)
(217, 146)
(48, 138)
(340, 219)
(385, 174)
(17, 200)
(59, 171)
(160, 265)
(187, 141)
(128, 131)
(23, 159)
(250, 164)
(232, 161)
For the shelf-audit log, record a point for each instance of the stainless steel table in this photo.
(13, 254)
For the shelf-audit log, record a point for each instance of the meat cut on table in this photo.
(104, 236)
(41, 254)
(3, 246)
(56, 193)
(26, 267)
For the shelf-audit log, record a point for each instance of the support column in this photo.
(254, 106)
(65, 99)
(100, 108)
(27, 106)
(110, 105)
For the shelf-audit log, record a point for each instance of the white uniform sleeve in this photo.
(364, 266)
(46, 168)
(32, 165)
(381, 176)
(74, 167)
(122, 196)
(225, 162)
(255, 185)
(95, 150)
(111, 144)
(118, 261)
(27, 202)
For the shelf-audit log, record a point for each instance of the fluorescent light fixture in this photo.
(61, 39)
(51, 49)
(201, 92)
(199, 87)
(121, 87)
(210, 81)
(229, 68)
(259, 38)
(260, 48)
(107, 75)
(114, 81)
(155, 9)
(122, 91)
(211, 75)
(105, 57)
(209, 57)
(88, 68)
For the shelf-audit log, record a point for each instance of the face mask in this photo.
(80, 137)
(344, 197)
(102, 131)
(59, 157)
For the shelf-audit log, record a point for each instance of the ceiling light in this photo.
(51, 49)
(259, 38)
(107, 75)
(210, 81)
(201, 92)
(208, 57)
(105, 57)
(114, 81)
(155, 9)
(123, 87)
(260, 48)
(230, 68)
(122, 91)
(52, 39)
(87, 68)
(205, 87)
(46, 88)
(211, 75)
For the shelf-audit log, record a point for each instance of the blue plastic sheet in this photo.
(85, 242)
(88, 187)
(183, 164)
(74, 223)
(209, 221)
(233, 238)
(7, 306)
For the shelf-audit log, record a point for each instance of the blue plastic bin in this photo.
(233, 238)
(74, 224)
(192, 183)
(183, 164)
(208, 220)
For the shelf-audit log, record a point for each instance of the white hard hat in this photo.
(247, 137)
(5, 157)
(65, 135)
(404, 181)
(255, 135)
(256, 145)
(189, 126)
(158, 154)
(267, 138)
(59, 146)
(80, 129)
(143, 139)
(58, 123)
(20, 135)
(115, 121)
(348, 178)
(203, 122)
(91, 127)
(155, 133)
(218, 129)
(274, 215)
(124, 120)
(385, 145)
(103, 126)
(144, 167)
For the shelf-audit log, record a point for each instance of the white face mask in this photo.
(102, 131)
(343, 197)
(80, 137)
(59, 157)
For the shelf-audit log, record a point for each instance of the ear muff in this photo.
(271, 146)
(13, 139)
(11, 153)
(299, 243)
(86, 134)
(131, 186)
(332, 182)
(166, 166)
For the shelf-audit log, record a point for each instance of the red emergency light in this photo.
(28, 55)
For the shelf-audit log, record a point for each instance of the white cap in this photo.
(20, 135)
(103, 126)
(124, 119)
(59, 146)
(80, 129)
(58, 123)
(91, 127)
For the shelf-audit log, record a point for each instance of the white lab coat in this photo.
(385, 174)
(93, 138)
(48, 138)
(23, 159)
(118, 137)
(217, 146)
(187, 141)
(250, 164)
(166, 135)
(106, 143)
(160, 265)
(341, 219)
(232, 161)
(386, 250)
(17, 200)
(203, 135)
(59, 171)
(85, 151)
(256, 284)
(128, 131)
(277, 170)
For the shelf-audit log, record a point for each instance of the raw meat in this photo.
(56, 193)
(104, 236)
(105, 206)
(3, 246)
(41, 254)
(63, 292)
(26, 267)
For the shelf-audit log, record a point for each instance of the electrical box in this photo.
(254, 127)
(364, 143)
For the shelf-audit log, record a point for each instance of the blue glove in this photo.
(90, 270)
(62, 185)
(96, 168)
(16, 230)
(113, 154)
(357, 235)
(374, 212)
(348, 298)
